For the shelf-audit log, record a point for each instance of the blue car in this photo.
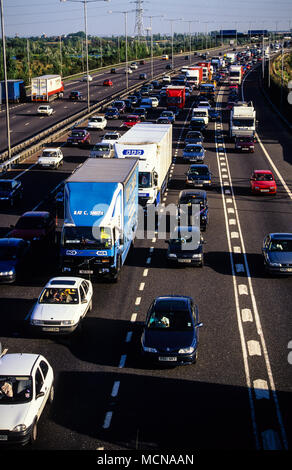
(13, 256)
(213, 114)
(170, 334)
(112, 113)
(168, 114)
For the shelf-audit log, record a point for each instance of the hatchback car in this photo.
(107, 82)
(102, 150)
(277, 252)
(75, 96)
(11, 191)
(35, 226)
(131, 120)
(170, 333)
(14, 255)
(194, 137)
(134, 66)
(97, 122)
(79, 137)
(197, 125)
(111, 137)
(263, 182)
(185, 247)
(199, 176)
(62, 305)
(193, 153)
(112, 113)
(51, 157)
(45, 109)
(26, 385)
(186, 211)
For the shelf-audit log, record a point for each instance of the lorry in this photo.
(235, 74)
(216, 62)
(47, 88)
(230, 57)
(207, 70)
(242, 120)
(175, 96)
(152, 144)
(207, 90)
(16, 91)
(100, 217)
(194, 76)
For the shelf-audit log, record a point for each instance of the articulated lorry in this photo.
(15, 90)
(235, 74)
(47, 88)
(100, 217)
(152, 144)
(242, 120)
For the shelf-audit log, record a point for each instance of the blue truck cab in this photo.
(100, 217)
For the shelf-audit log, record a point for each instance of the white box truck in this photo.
(152, 144)
(46, 88)
(242, 120)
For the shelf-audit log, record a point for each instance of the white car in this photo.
(166, 79)
(97, 122)
(62, 305)
(26, 384)
(45, 109)
(87, 78)
(134, 66)
(51, 157)
(111, 137)
(155, 101)
(129, 70)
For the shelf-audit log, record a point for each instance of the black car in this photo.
(170, 334)
(144, 90)
(194, 137)
(120, 106)
(113, 70)
(112, 113)
(128, 104)
(277, 252)
(199, 176)
(197, 125)
(185, 247)
(10, 191)
(142, 113)
(156, 84)
(75, 96)
(214, 115)
(186, 212)
(13, 258)
(168, 67)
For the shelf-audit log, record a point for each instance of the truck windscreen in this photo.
(87, 238)
(243, 122)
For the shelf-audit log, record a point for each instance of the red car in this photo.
(131, 120)
(79, 137)
(107, 82)
(35, 226)
(263, 181)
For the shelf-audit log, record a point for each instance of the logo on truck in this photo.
(133, 152)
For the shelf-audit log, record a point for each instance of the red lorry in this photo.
(175, 96)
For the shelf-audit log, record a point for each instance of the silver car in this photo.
(194, 153)
(102, 150)
(277, 252)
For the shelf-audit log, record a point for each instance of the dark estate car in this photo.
(277, 252)
(199, 176)
(142, 113)
(10, 191)
(79, 137)
(35, 226)
(170, 334)
(187, 198)
(13, 257)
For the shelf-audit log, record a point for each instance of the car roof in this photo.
(35, 214)
(288, 236)
(17, 363)
(10, 241)
(195, 192)
(63, 281)
(173, 297)
(51, 148)
(268, 172)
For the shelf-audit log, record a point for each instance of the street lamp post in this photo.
(86, 40)
(171, 22)
(5, 80)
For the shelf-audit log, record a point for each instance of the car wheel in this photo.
(34, 433)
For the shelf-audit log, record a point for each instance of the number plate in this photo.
(3, 438)
(264, 190)
(51, 329)
(167, 359)
(184, 260)
(85, 271)
(245, 148)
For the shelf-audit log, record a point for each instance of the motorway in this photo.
(238, 394)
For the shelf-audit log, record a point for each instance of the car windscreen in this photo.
(30, 223)
(110, 136)
(77, 134)
(101, 148)
(49, 153)
(263, 177)
(170, 316)
(57, 295)
(193, 149)
(86, 238)
(198, 171)
(281, 245)
(15, 389)
(200, 113)
(144, 179)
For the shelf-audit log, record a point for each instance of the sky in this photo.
(27, 18)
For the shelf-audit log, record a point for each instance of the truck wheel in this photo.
(117, 275)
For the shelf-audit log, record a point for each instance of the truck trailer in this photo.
(242, 120)
(152, 144)
(194, 76)
(176, 96)
(235, 74)
(100, 217)
(47, 88)
(16, 91)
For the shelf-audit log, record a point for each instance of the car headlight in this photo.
(151, 350)
(186, 350)
(172, 255)
(19, 428)
(67, 322)
(275, 265)
(197, 256)
(7, 273)
(36, 238)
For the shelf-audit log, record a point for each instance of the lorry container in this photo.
(235, 74)
(16, 91)
(230, 57)
(194, 76)
(242, 120)
(47, 88)
(175, 96)
(152, 144)
(100, 217)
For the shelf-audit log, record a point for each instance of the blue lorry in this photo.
(100, 217)
(16, 91)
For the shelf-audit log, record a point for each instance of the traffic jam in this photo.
(145, 168)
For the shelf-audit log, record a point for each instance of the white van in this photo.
(201, 113)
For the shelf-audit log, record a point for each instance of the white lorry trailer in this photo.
(152, 144)
(46, 88)
(242, 120)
